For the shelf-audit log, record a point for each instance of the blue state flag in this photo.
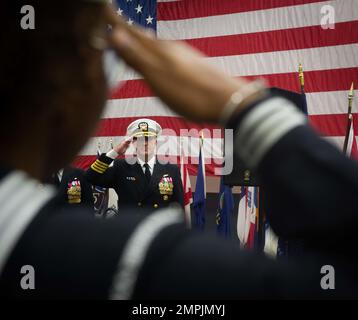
(199, 203)
(225, 210)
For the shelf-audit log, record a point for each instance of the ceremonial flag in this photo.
(188, 195)
(246, 216)
(253, 39)
(350, 143)
(225, 209)
(199, 204)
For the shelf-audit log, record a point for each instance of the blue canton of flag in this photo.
(142, 12)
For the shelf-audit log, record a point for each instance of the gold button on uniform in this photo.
(155, 206)
(139, 204)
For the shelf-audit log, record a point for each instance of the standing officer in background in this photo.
(140, 181)
(73, 186)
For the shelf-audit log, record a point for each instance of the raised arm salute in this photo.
(298, 169)
(140, 181)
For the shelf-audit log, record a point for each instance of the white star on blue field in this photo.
(142, 12)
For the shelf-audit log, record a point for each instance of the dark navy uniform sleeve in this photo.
(310, 187)
(87, 194)
(90, 262)
(101, 174)
(150, 257)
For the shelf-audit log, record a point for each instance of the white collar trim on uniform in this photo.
(151, 162)
(21, 198)
(136, 249)
(60, 175)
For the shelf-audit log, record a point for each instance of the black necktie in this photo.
(147, 173)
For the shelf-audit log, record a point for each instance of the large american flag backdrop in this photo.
(251, 38)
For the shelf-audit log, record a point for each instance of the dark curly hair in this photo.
(31, 61)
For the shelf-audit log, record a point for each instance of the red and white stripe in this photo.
(246, 218)
(188, 195)
(256, 38)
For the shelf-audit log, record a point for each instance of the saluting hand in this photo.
(122, 147)
(176, 72)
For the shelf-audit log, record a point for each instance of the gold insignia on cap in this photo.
(143, 126)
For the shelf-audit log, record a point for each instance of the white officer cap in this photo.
(144, 128)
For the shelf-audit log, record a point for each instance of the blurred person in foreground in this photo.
(58, 69)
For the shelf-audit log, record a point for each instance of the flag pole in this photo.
(349, 117)
(202, 157)
(350, 98)
(283, 243)
(201, 138)
(301, 78)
